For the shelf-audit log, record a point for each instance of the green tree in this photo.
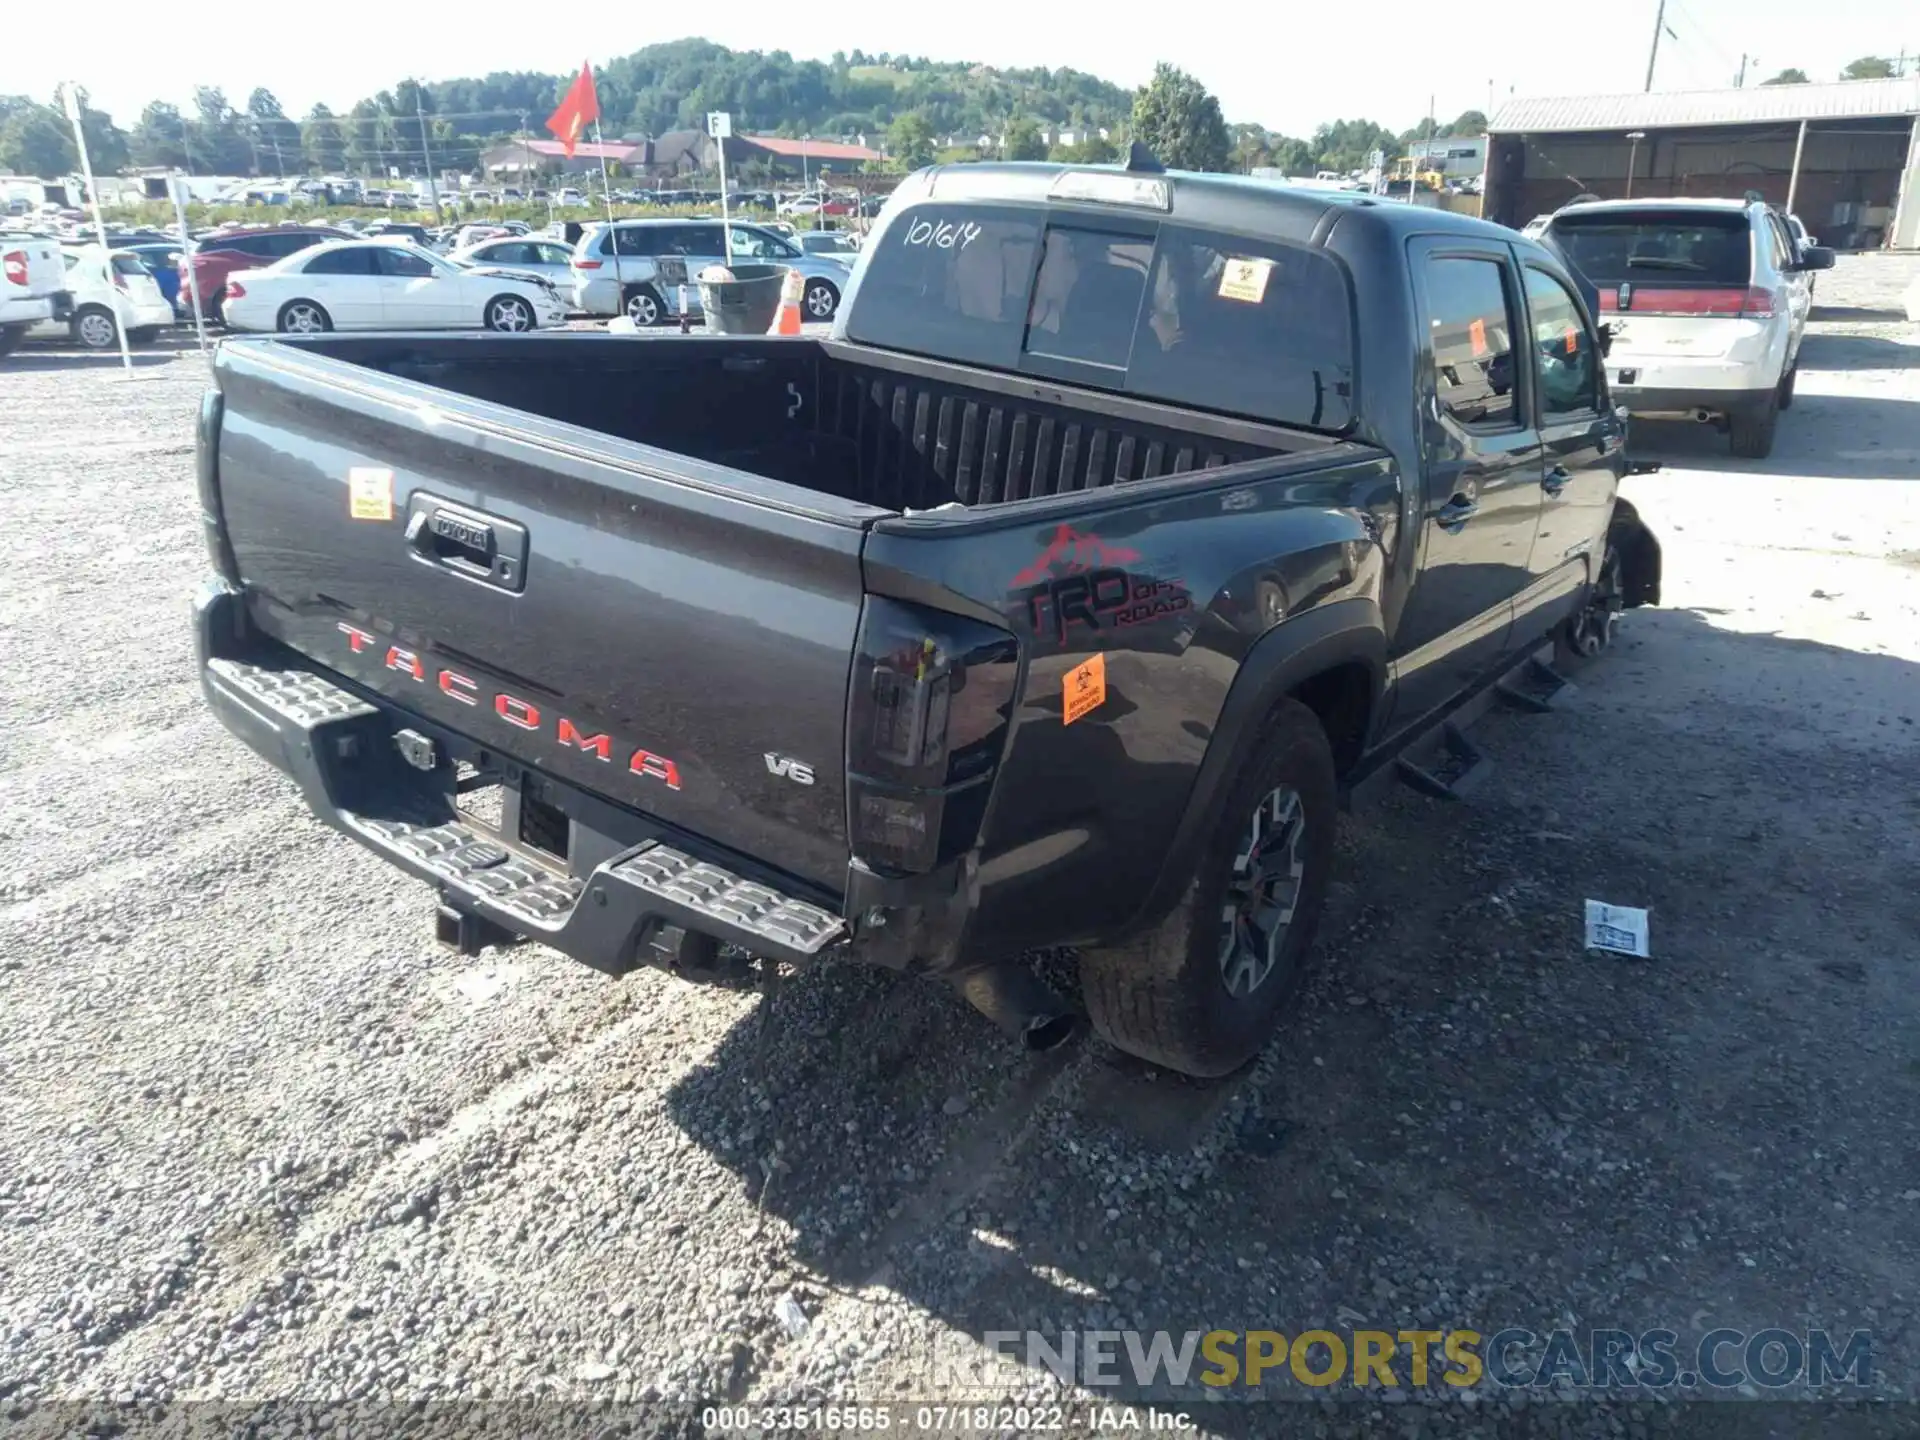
(106, 141)
(1472, 122)
(1092, 148)
(1023, 140)
(1293, 157)
(37, 140)
(322, 143)
(160, 138)
(910, 140)
(214, 135)
(366, 148)
(1869, 67)
(1787, 77)
(1180, 122)
(272, 132)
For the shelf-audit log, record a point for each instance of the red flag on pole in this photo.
(579, 110)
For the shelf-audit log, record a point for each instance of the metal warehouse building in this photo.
(1845, 157)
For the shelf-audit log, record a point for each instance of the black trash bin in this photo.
(746, 304)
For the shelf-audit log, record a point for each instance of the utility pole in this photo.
(1740, 83)
(1659, 24)
(426, 151)
(526, 158)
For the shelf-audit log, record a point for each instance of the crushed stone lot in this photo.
(264, 1139)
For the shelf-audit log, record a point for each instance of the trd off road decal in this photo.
(1079, 579)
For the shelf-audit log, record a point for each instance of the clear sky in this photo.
(1288, 68)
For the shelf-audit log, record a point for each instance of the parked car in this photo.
(238, 248)
(388, 285)
(1124, 525)
(550, 259)
(401, 230)
(111, 289)
(511, 195)
(800, 205)
(1536, 227)
(34, 288)
(1708, 301)
(480, 197)
(571, 197)
(617, 268)
(162, 259)
(828, 242)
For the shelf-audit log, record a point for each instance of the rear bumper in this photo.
(632, 887)
(27, 311)
(1677, 400)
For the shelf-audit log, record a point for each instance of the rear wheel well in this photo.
(1341, 698)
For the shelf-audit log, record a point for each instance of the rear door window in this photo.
(355, 260)
(1470, 322)
(1659, 246)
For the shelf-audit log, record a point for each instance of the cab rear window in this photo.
(1163, 311)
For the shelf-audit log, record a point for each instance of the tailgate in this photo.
(679, 645)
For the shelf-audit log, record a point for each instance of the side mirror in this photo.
(1815, 257)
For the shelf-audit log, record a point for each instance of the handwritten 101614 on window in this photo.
(942, 234)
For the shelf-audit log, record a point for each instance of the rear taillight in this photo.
(586, 264)
(927, 724)
(235, 290)
(1751, 300)
(15, 264)
(119, 281)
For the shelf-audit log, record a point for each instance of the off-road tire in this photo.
(1752, 429)
(10, 338)
(1162, 996)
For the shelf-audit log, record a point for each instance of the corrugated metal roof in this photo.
(1761, 104)
(813, 149)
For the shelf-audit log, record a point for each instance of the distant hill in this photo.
(670, 86)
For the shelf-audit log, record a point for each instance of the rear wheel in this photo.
(95, 327)
(304, 317)
(509, 312)
(10, 338)
(1753, 428)
(642, 305)
(1786, 385)
(820, 300)
(1202, 991)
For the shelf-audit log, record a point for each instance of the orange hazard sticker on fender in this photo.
(369, 493)
(1477, 336)
(1085, 689)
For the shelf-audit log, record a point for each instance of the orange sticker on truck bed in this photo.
(1085, 689)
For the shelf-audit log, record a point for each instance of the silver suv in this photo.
(636, 267)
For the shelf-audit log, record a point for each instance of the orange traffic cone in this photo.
(787, 321)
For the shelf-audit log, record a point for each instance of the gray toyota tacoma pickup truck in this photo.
(1124, 522)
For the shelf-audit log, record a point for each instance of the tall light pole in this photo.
(1633, 157)
(1659, 24)
(426, 152)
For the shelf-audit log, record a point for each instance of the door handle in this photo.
(468, 542)
(1556, 479)
(1457, 511)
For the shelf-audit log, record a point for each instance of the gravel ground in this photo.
(265, 1140)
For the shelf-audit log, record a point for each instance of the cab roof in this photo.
(1228, 202)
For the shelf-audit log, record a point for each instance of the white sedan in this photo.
(386, 285)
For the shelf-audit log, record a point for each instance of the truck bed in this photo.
(863, 425)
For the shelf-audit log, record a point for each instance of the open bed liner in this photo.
(865, 425)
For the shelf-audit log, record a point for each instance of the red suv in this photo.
(245, 247)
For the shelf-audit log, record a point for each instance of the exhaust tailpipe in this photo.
(1014, 998)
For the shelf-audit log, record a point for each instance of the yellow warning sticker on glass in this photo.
(370, 493)
(1085, 689)
(1245, 280)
